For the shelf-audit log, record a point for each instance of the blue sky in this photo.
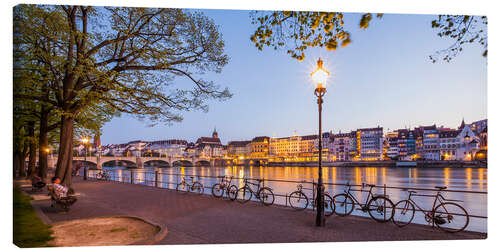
(384, 77)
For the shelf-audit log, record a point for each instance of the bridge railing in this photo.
(159, 179)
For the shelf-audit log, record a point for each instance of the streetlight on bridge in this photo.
(319, 76)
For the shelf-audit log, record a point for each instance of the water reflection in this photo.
(471, 179)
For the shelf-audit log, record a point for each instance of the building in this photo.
(340, 147)
(419, 142)
(209, 147)
(369, 144)
(308, 148)
(259, 147)
(431, 150)
(478, 126)
(467, 144)
(238, 149)
(482, 154)
(392, 148)
(448, 144)
(168, 148)
(285, 148)
(402, 145)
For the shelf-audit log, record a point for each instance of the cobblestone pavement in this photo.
(201, 219)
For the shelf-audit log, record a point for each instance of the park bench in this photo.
(61, 203)
(36, 187)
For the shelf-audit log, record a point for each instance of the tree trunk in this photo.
(65, 156)
(43, 144)
(17, 165)
(32, 149)
(22, 160)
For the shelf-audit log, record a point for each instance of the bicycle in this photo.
(194, 186)
(298, 200)
(443, 214)
(380, 207)
(103, 175)
(224, 185)
(244, 194)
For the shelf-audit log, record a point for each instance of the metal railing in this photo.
(154, 179)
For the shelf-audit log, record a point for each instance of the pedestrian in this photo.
(61, 191)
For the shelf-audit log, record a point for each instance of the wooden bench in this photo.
(36, 188)
(62, 203)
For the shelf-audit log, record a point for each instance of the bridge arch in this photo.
(83, 163)
(182, 163)
(156, 163)
(202, 163)
(119, 162)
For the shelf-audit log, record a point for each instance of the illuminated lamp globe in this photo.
(320, 75)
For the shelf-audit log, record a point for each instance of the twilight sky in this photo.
(384, 77)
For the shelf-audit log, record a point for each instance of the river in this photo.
(466, 179)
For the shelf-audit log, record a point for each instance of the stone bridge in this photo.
(139, 162)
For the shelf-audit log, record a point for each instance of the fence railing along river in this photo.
(468, 185)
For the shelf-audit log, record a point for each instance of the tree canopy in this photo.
(462, 30)
(110, 60)
(298, 30)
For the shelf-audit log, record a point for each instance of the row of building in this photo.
(467, 142)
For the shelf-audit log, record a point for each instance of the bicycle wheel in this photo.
(244, 194)
(197, 188)
(266, 196)
(404, 211)
(450, 217)
(217, 190)
(327, 200)
(181, 187)
(381, 209)
(98, 176)
(298, 200)
(342, 204)
(232, 192)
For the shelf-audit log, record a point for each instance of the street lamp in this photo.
(85, 140)
(319, 77)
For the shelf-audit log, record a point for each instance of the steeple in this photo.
(214, 134)
(463, 124)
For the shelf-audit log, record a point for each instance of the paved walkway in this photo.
(195, 219)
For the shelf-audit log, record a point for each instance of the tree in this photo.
(123, 59)
(463, 30)
(298, 30)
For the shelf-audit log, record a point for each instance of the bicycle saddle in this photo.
(370, 185)
(440, 187)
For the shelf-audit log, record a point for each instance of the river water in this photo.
(466, 179)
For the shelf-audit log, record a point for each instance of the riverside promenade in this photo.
(202, 219)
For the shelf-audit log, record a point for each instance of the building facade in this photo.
(370, 144)
(448, 144)
(431, 150)
(259, 147)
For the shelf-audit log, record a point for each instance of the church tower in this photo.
(462, 125)
(214, 134)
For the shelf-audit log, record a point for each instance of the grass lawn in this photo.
(29, 229)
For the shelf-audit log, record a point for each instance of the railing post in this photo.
(385, 196)
(131, 177)
(85, 173)
(156, 177)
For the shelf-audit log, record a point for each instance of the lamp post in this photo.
(319, 77)
(84, 140)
